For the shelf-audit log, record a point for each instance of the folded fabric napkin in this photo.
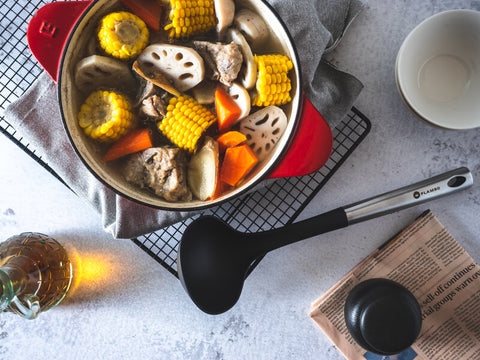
(316, 27)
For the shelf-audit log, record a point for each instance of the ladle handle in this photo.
(420, 192)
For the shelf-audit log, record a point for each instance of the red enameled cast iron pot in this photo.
(58, 32)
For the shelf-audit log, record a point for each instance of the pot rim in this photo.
(241, 192)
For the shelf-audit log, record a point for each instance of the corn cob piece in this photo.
(185, 122)
(191, 17)
(122, 35)
(106, 116)
(273, 84)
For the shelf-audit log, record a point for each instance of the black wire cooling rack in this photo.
(272, 206)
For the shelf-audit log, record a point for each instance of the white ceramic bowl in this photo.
(438, 69)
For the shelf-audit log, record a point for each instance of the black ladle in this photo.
(213, 259)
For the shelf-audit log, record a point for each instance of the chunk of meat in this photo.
(161, 169)
(153, 107)
(152, 101)
(225, 60)
(147, 89)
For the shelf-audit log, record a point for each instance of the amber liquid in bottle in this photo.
(39, 271)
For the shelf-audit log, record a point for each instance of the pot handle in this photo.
(311, 146)
(48, 31)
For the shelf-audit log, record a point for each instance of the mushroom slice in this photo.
(97, 71)
(252, 26)
(241, 97)
(248, 73)
(204, 92)
(203, 170)
(225, 12)
(263, 129)
(181, 65)
(155, 77)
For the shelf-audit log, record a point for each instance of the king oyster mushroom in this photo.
(204, 93)
(263, 129)
(252, 26)
(224, 12)
(248, 73)
(181, 67)
(202, 172)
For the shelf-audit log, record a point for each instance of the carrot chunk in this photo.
(230, 139)
(137, 140)
(228, 111)
(238, 162)
(149, 11)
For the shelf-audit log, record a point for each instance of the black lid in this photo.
(382, 316)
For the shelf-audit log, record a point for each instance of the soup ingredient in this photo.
(153, 107)
(248, 72)
(225, 12)
(106, 116)
(181, 65)
(145, 90)
(151, 101)
(225, 60)
(263, 129)
(241, 97)
(230, 139)
(137, 140)
(238, 162)
(204, 93)
(190, 18)
(122, 35)
(156, 77)
(252, 27)
(149, 11)
(185, 122)
(228, 111)
(161, 169)
(96, 71)
(202, 170)
(273, 84)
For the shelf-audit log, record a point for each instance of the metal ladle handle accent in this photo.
(407, 196)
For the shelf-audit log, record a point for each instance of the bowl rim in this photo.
(398, 70)
(199, 205)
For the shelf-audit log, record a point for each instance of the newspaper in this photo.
(444, 279)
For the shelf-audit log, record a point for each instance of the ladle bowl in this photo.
(213, 259)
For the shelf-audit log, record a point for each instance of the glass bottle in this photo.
(35, 274)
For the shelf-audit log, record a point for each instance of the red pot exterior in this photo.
(48, 31)
(311, 146)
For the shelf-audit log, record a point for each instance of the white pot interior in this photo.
(91, 153)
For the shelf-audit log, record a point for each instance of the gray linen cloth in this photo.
(316, 27)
